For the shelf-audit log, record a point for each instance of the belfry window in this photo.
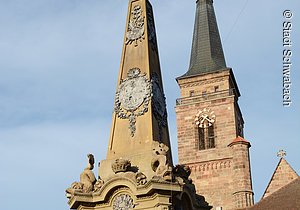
(211, 137)
(205, 121)
(201, 135)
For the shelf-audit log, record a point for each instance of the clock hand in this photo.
(210, 120)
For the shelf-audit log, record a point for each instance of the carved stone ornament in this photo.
(123, 202)
(182, 174)
(121, 165)
(194, 84)
(98, 185)
(159, 103)
(160, 163)
(133, 92)
(136, 26)
(281, 154)
(88, 182)
(151, 27)
(205, 118)
(141, 178)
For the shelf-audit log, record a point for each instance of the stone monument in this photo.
(138, 172)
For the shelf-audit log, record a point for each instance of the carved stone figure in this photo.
(87, 177)
(159, 162)
(88, 182)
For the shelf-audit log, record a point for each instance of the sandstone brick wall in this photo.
(283, 175)
(243, 195)
(221, 174)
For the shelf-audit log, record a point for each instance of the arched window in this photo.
(201, 136)
(205, 120)
(211, 137)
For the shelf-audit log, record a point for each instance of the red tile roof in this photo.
(239, 140)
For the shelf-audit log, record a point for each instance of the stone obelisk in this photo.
(138, 172)
(140, 116)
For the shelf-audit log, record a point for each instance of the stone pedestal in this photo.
(133, 190)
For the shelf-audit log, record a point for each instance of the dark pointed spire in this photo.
(207, 52)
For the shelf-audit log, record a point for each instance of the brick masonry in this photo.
(283, 175)
(221, 174)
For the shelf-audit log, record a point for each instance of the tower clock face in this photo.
(133, 93)
(205, 118)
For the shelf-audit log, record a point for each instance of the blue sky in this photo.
(59, 62)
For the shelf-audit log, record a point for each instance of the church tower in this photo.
(138, 173)
(209, 121)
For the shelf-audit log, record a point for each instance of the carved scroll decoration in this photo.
(141, 179)
(159, 104)
(151, 27)
(136, 26)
